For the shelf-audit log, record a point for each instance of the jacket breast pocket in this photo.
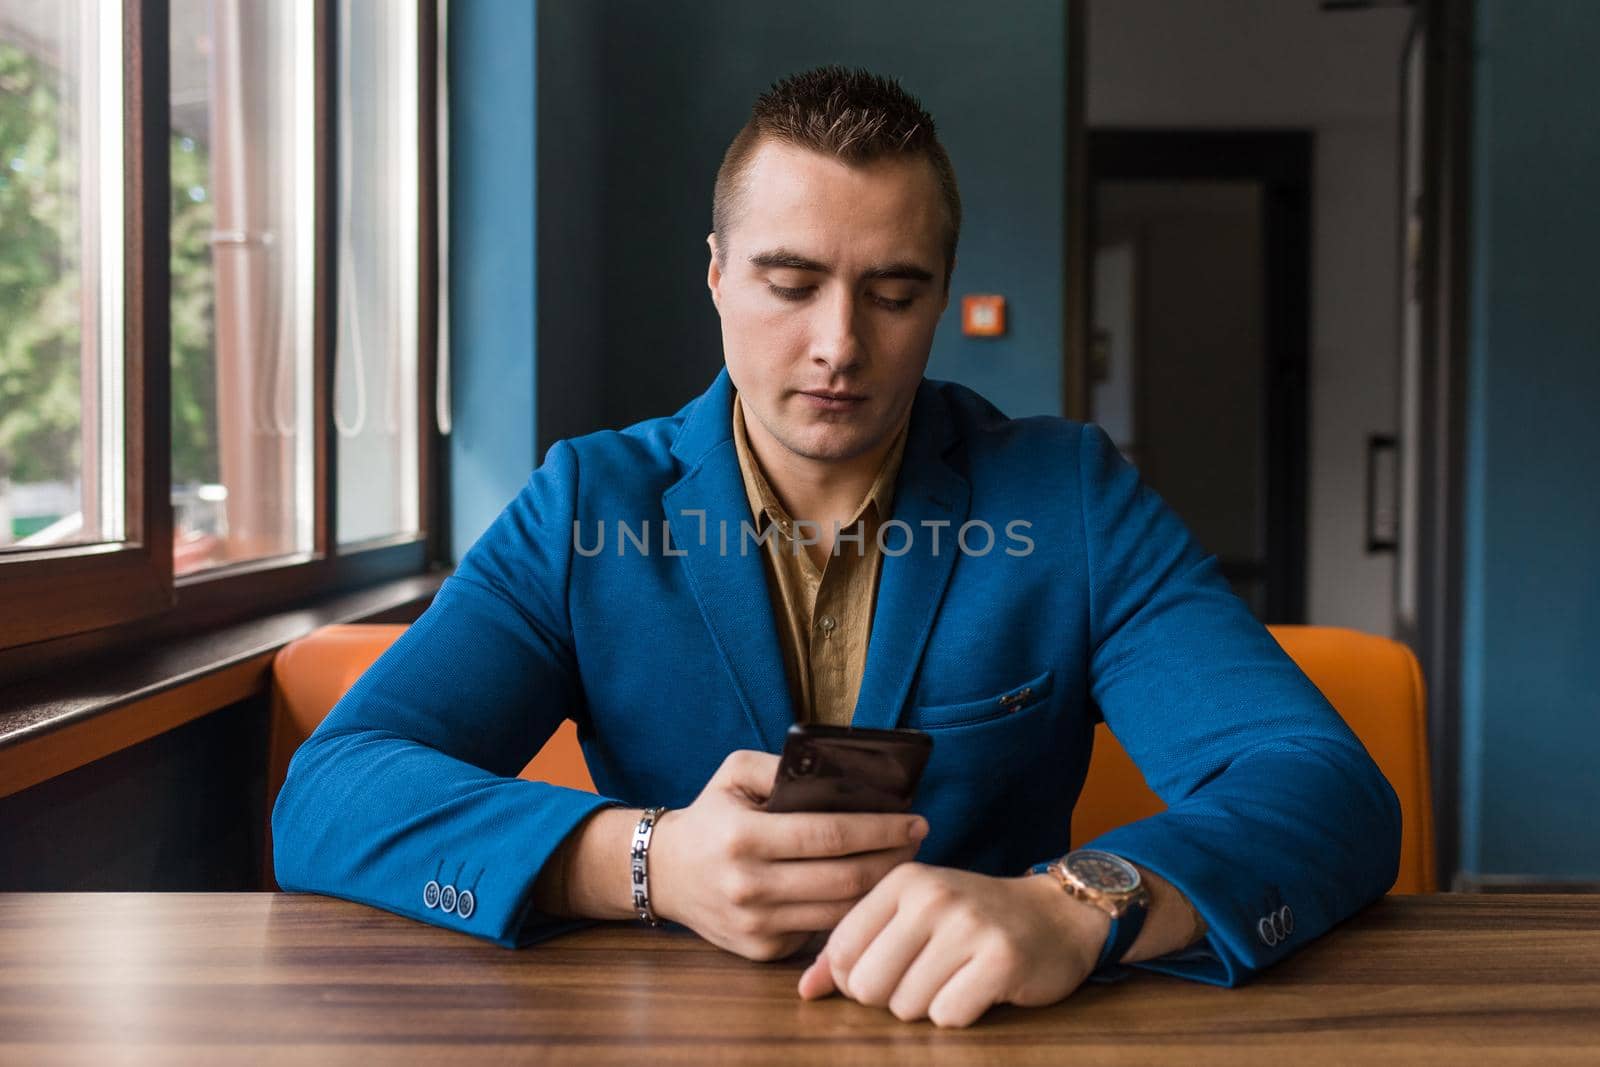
(1002, 705)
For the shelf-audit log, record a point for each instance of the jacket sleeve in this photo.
(411, 778)
(1275, 809)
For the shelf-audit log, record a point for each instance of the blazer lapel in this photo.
(911, 586)
(707, 511)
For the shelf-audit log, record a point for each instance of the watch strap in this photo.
(1119, 939)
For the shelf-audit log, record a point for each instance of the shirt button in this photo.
(827, 624)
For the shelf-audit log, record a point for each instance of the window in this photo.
(243, 280)
(218, 275)
(83, 360)
(61, 357)
(375, 400)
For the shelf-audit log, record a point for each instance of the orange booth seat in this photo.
(1374, 683)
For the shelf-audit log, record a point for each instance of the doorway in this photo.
(1198, 360)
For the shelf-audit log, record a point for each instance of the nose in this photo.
(836, 341)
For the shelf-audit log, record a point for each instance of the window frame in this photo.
(96, 585)
(105, 598)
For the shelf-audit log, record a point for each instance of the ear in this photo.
(714, 272)
(946, 302)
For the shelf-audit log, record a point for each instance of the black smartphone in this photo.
(846, 768)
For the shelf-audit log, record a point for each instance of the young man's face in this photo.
(833, 283)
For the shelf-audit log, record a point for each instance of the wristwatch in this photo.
(1111, 884)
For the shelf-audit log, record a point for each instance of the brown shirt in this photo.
(823, 616)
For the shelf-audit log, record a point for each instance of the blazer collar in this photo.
(933, 499)
(707, 422)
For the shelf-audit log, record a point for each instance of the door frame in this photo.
(1281, 161)
(1444, 282)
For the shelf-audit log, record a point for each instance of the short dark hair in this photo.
(853, 115)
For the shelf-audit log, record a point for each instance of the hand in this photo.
(946, 944)
(759, 883)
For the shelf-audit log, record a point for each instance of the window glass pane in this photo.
(243, 279)
(375, 381)
(61, 298)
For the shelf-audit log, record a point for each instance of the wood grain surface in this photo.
(275, 978)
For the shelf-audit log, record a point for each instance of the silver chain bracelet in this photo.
(640, 857)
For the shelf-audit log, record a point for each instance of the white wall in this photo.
(1283, 64)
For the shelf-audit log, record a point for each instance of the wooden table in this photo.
(221, 978)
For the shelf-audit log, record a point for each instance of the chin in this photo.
(829, 443)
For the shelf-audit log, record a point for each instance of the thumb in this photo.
(817, 981)
(749, 772)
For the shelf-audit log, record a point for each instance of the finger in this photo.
(850, 878)
(877, 972)
(807, 917)
(819, 835)
(964, 998)
(857, 929)
(748, 771)
(817, 981)
(942, 957)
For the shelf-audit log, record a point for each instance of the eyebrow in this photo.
(782, 257)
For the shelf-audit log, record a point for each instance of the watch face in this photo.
(1102, 871)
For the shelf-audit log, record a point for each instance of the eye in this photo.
(789, 294)
(893, 305)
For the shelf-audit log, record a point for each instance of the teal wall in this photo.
(1531, 603)
(493, 265)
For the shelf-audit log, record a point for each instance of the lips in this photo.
(829, 394)
(832, 402)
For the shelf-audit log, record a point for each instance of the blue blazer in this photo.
(666, 658)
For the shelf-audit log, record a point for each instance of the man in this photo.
(806, 541)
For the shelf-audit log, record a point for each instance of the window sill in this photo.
(55, 724)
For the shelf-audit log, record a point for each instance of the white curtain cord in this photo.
(348, 312)
(389, 352)
(441, 389)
